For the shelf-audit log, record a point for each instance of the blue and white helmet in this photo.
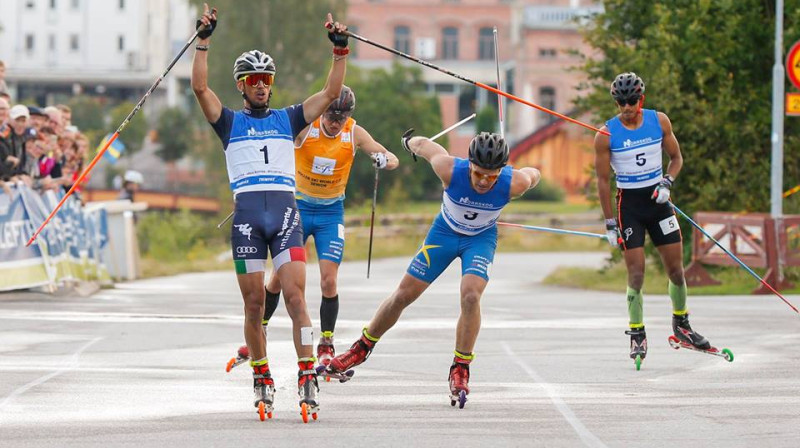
(253, 61)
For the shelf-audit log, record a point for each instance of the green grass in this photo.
(734, 281)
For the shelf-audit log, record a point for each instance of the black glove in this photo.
(205, 33)
(339, 40)
(404, 141)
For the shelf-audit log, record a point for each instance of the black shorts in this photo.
(638, 212)
(266, 221)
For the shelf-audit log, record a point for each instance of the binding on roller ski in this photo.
(684, 337)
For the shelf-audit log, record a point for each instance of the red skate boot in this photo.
(307, 388)
(459, 379)
(264, 390)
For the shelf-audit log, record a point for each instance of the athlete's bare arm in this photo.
(441, 162)
(523, 180)
(298, 141)
(368, 144)
(209, 102)
(602, 166)
(670, 146)
(316, 104)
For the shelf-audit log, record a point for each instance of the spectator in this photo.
(12, 148)
(4, 108)
(66, 115)
(37, 118)
(132, 182)
(54, 119)
(3, 85)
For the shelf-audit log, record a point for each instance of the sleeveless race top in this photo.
(324, 163)
(636, 154)
(465, 210)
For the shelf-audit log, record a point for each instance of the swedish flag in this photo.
(114, 152)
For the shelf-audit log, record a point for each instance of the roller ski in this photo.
(307, 389)
(638, 346)
(242, 355)
(264, 390)
(340, 367)
(459, 382)
(685, 337)
(325, 353)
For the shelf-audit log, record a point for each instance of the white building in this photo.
(58, 48)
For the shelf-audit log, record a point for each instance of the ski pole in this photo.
(735, 258)
(549, 229)
(471, 81)
(791, 191)
(499, 86)
(225, 220)
(411, 131)
(372, 219)
(113, 137)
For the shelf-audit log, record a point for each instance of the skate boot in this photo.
(355, 355)
(638, 345)
(683, 331)
(459, 379)
(264, 390)
(307, 388)
(325, 350)
(242, 355)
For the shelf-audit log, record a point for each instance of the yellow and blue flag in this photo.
(114, 152)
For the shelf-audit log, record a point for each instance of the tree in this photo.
(175, 134)
(707, 65)
(388, 103)
(291, 32)
(486, 121)
(135, 131)
(87, 114)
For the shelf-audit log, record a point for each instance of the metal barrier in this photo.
(751, 237)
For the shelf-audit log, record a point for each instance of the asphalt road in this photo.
(144, 365)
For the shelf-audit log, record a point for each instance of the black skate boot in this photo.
(264, 390)
(638, 345)
(683, 331)
(307, 388)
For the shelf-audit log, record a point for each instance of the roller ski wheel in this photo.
(343, 377)
(242, 355)
(264, 411)
(638, 362)
(725, 353)
(461, 399)
(306, 410)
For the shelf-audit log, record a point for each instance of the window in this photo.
(51, 42)
(486, 44)
(30, 4)
(52, 4)
(402, 38)
(450, 43)
(547, 53)
(75, 4)
(74, 42)
(121, 43)
(547, 99)
(467, 101)
(444, 88)
(30, 42)
(121, 4)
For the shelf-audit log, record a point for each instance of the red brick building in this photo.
(533, 40)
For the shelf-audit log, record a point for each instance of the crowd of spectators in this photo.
(38, 146)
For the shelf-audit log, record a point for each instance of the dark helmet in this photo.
(253, 61)
(627, 85)
(345, 104)
(488, 151)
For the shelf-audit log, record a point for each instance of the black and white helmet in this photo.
(345, 104)
(253, 61)
(489, 151)
(627, 85)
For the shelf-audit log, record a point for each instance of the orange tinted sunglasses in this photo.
(253, 79)
(480, 176)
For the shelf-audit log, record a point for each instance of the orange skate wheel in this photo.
(304, 412)
(262, 410)
(269, 414)
(327, 379)
(314, 416)
(230, 365)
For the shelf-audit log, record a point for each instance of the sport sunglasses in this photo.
(253, 79)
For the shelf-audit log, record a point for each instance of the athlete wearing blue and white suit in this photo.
(259, 152)
(475, 192)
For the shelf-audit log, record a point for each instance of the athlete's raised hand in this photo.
(336, 32)
(207, 23)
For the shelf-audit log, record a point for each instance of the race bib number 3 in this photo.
(323, 166)
(669, 225)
